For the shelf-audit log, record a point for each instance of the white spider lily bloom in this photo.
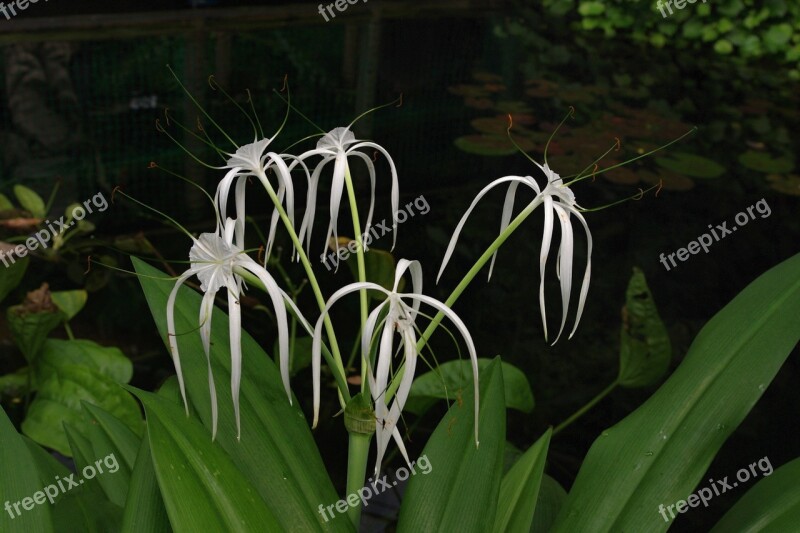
(248, 161)
(556, 197)
(338, 145)
(402, 310)
(215, 260)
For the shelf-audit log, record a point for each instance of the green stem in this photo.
(468, 277)
(357, 454)
(583, 410)
(69, 331)
(362, 271)
(312, 280)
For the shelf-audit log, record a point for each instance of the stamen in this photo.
(570, 114)
(119, 189)
(636, 197)
(401, 101)
(367, 112)
(88, 264)
(212, 82)
(161, 129)
(510, 138)
(660, 184)
(253, 109)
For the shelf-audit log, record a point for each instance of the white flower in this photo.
(558, 198)
(248, 161)
(215, 260)
(338, 145)
(402, 310)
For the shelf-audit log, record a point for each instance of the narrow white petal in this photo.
(587, 274)
(240, 211)
(235, 328)
(311, 206)
(337, 187)
(457, 232)
(566, 250)
(505, 218)
(171, 334)
(547, 236)
(395, 187)
(206, 308)
(223, 190)
(371, 171)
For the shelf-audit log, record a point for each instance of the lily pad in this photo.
(491, 125)
(478, 103)
(764, 162)
(692, 165)
(785, 184)
(670, 181)
(468, 90)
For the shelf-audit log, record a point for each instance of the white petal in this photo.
(371, 171)
(547, 236)
(416, 280)
(337, 187)
(206, 308)
(171, 334)
(587, 274)
(235, 328)
(505, 218)
(311, 205)
(457, 232)
(395, 187)
(565, 263)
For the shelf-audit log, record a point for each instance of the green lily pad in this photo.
(764, 162)
(692, 165)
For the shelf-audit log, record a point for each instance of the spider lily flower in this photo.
(559, 199)
(338, 145)
(218, 263)
(402, 310)
(248, 161)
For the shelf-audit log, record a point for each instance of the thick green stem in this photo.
(362, 271)
(467, 279)
(357, 454)
(583, 410)
(312, 280)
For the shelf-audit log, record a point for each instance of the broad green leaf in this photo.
(771, 505)
(144, 507)
(20, 480)
(660, 452)
(460, 491)
(119, 438)
(30, 201)
(16, 383)
(59, 400)
(645, 350)
(764, 162)
(519, 490)
(30, 330)
(70, 302)
(276, 453)
(551, 498)
(452, 378)
(11, 275)
(106, 360)
(203, 490)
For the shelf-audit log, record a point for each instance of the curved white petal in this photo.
(311, 205)
(395, 194)
(337, 187)
(235, 332)
(416, 280)
(206, 308)
(171, 334)
(371, 171)
(566, 250)
(587, 273)
(454, 239)
(547, 236)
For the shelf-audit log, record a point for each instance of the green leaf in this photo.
(59, 400)
(691, 165)
(772, 504)
(453, 378)
(645, 350)
(203, 490)
(106, 360)
(777, 37)
(299, 354)
(5, 203)
(460, 491)
(276, 453)
(379, 268)
(551, 498)
(519, 491)
(11, 276)
(723, 46)
(20, 480)
(144, 507)
(30, 330)
(70, 302)
(30, 201)
(659, 452)
(764, 162)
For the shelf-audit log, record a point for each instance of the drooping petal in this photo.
(454, 239)
(378, 391)
(337, 187)
(171, 334)
(240, 211)
(462, 328)
(395, 193)
(546, 238)
(566, 250)
(235, 332)
(587, 273)
(206, 308)
(416, 280)
(371, 171)
(311, 205)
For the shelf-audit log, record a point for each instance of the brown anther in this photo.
(660, 184)
(510, 122)
(88, 264)
(261, 251)
(374, 155)
(618, 144)
(285, 82)
(113, 192)
(212, 82)
(594, 172)
(401, 101)
(641, 195)
(571, 111)
(152, 164)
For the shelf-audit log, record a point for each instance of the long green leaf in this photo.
(144, 507)
(659, 453)
(771, 505)
(519, 490)
(276, 453)
(202, 488)
(19, 481)
(551, 497)
(460, 491)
